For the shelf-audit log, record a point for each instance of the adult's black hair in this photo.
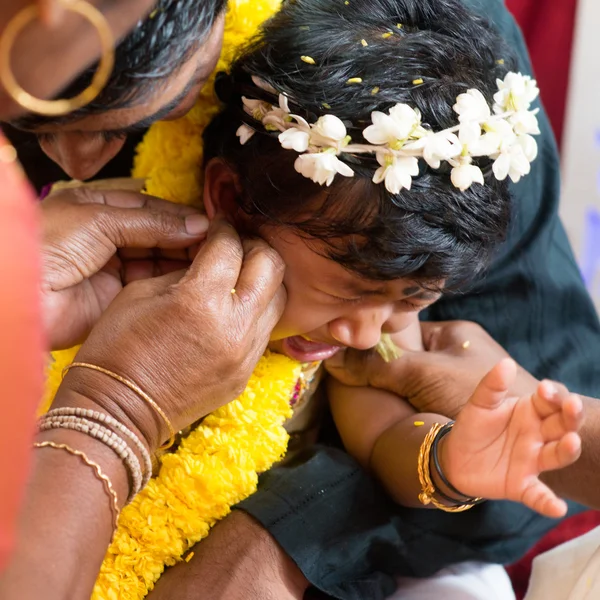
(152, 52)
(433, 232)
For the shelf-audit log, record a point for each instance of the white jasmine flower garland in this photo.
(502, 132)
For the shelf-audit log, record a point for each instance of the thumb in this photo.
(150, 228)
(493, 388)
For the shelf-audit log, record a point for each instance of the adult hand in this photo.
(83, 266)
(238, 561)
(184, 338)
(457, 355)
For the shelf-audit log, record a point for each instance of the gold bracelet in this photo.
(106, 482)
(134, 388)
(427, 495)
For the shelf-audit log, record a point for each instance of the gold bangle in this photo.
(106, 482)
(427, 495)
(56, 108)
(134, 388)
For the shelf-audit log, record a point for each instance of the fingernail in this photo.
(550, 389)
(196, 224)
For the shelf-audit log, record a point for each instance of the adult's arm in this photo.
(217, 338)
(334, 522)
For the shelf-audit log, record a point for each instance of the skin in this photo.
(215, 360)
(497, 449)
(82, 148)
(319, 309)
(42, 63)
(441, 377)
(326, 303)
(96, 242)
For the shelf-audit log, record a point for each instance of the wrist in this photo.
(443, 472)
(90, 389)
(444, 467)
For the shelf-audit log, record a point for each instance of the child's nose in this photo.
(364, 331)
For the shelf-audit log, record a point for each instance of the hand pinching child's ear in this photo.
(501, 444)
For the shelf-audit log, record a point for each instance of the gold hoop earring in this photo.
(57, 108)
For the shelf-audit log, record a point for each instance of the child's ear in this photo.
(221, 190)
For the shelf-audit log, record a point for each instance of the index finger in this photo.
(124, 198)
(261, 274)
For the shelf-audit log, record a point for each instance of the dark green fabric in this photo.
(336, 523)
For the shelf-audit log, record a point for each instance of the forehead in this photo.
(170, 97)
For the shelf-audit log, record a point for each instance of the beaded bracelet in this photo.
(106, 436)
(111, 422)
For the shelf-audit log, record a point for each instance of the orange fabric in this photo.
(21, 343)
(548, 27)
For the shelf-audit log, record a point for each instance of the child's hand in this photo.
(500, 445)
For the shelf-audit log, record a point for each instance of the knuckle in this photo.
(227, 244)
(271, 259)
(164, 223)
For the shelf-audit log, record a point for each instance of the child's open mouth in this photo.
(304, 350)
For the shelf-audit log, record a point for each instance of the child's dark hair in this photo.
(432, 233)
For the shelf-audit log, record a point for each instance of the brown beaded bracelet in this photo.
(110, 422)
(107, 437)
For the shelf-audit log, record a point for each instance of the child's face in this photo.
(329, 307)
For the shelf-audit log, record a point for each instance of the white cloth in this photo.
(465, 581)
(570, 571)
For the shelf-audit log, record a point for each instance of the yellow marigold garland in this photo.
(218, 464)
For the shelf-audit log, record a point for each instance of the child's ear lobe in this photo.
(221, 190)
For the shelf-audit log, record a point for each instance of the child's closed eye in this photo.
(344, 300)
(413, 305)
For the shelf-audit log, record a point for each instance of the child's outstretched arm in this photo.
(497, 449)
(378, 429)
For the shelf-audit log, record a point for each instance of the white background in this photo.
(580, 204)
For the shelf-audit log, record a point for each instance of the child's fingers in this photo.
(570, 418)
(573, 415)
(493, 388)
(553, 428)
(559, 454)
(542, 499)
(549, 397)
